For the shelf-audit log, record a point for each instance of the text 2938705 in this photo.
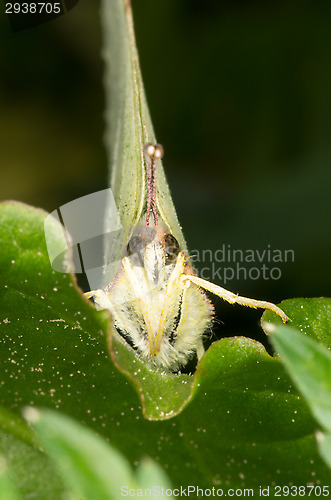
(33, 8)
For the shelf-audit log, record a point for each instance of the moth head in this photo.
(154, 240)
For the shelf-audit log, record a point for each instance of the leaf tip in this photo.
(31, 415)
(268, 327)
(320, 436)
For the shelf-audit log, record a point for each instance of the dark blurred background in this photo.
(240, 96)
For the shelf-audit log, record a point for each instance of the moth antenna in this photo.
(153, 152)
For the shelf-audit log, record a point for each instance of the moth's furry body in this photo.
(162, 315)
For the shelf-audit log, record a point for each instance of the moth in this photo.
(157, 302)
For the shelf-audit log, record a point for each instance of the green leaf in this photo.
(29, 469)
(162, 395)
(324, 446)
(129, 128)
(13, 424)
(7, 488)
(310, 316)
(149, 474)
(309, 365)
(23, 457)
(242, 425)
(238, 422)
(90, 467)
(42, 319)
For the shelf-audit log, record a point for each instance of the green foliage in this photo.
(324, 446)
(90, 467)
(309, 365)
(239, 422)
(7, 489)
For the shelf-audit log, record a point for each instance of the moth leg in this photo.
(100, 298)
(236, 299)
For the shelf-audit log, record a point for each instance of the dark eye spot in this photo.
(171, 248)
(135, 245)
(135, 249)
